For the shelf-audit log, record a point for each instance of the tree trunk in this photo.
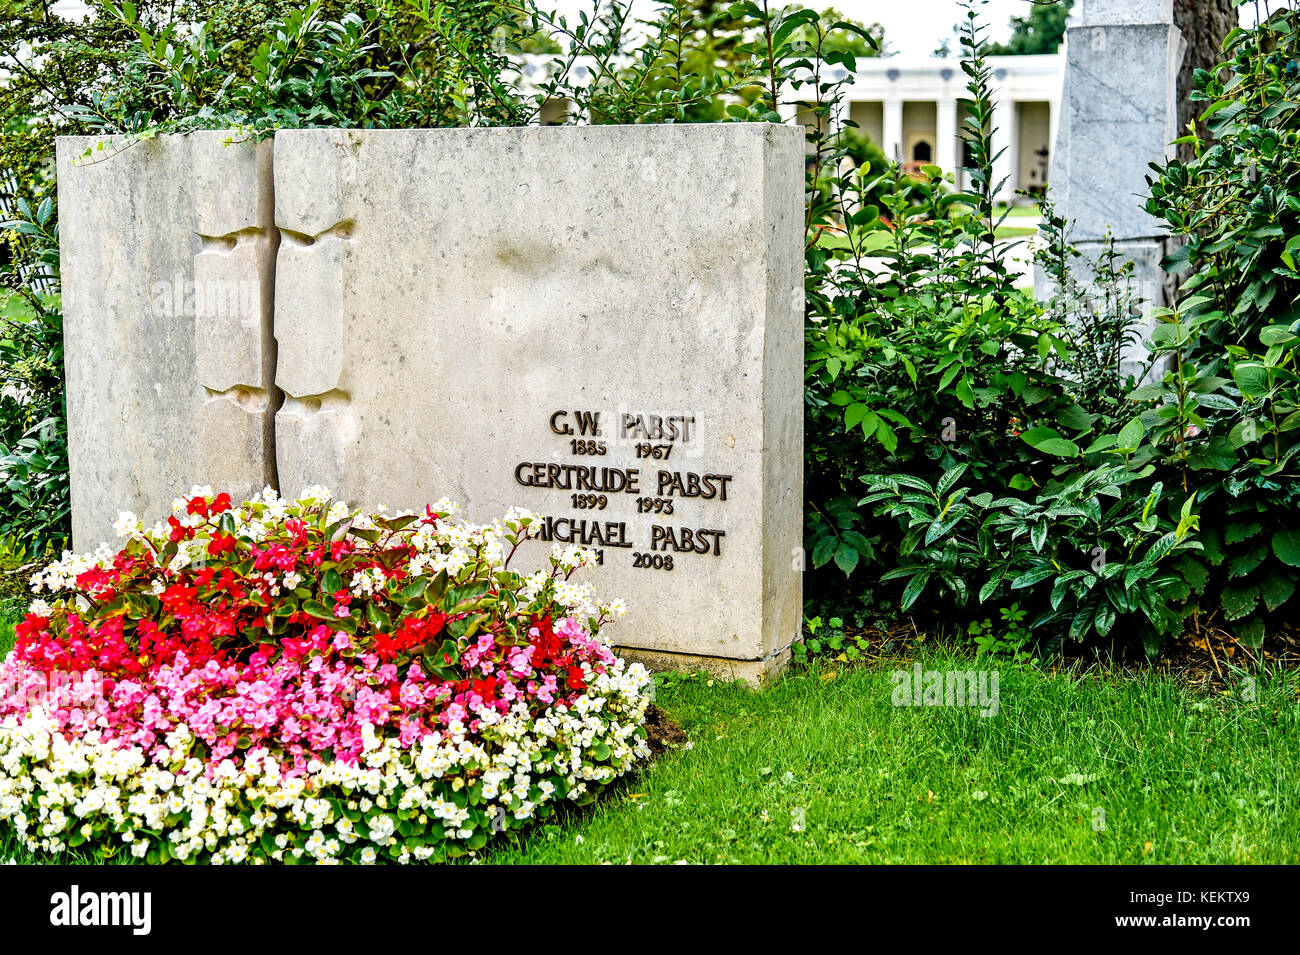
(1204, 24)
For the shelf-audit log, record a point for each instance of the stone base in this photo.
(754, 672)
(1149, 287)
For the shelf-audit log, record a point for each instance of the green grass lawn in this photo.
(1017, 212)
(871, 242)
(1015, 232)
(1177, 777)
(13, 307)
(822, 767)
(11, 611)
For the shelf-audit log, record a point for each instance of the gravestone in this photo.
(167, 250)
(602, 324)
(1119, 114)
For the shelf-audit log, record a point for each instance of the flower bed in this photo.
(292, 681)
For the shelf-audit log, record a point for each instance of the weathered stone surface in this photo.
(1119, 116)
(167, 251)
(754, 672)
(453, 307)
(1126, 11)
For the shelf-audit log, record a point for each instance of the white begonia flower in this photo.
(40, 608)
(314, 494)
(127, 524)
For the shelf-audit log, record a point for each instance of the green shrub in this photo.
(1100, 507)
(34, 508)
(924, 360)
(1223, 421)
(1082, 554)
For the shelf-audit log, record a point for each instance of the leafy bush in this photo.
(1080, 565)
(968, 443)
(1101, 506)
(34, 508)
(397, 64)
(293, 681)
(922, 356)
(1222, 421)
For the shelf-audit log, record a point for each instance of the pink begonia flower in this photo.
(301, 703)
(569, 628)
(546, 692)
(521, 661)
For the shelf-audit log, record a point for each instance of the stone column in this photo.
(892, 130)
(1119, 113)
(945, 156)
(1006, 148)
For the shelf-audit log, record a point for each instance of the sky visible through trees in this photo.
(912, 29)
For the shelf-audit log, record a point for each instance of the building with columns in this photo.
(913, 108)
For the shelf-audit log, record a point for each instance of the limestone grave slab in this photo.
(602, 324)
(168, 250)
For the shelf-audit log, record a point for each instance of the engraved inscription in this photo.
(636, 498)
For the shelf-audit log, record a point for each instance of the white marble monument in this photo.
(1119, 115)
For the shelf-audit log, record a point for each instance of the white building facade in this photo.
(913, 108)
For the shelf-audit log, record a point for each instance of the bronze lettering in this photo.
(565, 429)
